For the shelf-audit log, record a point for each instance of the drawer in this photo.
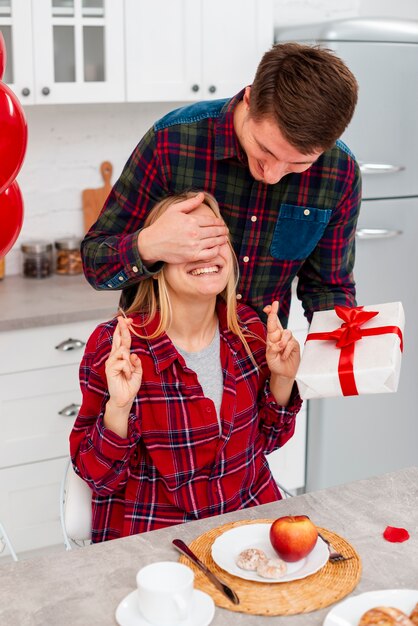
(30, 424)
(34, 348)
(29, 504)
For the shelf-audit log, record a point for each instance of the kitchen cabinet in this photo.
(64, 51)
(194, 49)
(39, 400)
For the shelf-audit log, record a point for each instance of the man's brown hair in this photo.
(308, 91)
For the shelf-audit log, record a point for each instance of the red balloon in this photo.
(3, 55)
(11, 217)
(13, 136)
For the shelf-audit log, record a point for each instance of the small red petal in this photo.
(395, 535)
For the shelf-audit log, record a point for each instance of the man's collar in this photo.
(227, 145)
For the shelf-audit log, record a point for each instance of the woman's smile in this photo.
(202, 271)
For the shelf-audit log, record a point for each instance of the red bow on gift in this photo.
(346, 336)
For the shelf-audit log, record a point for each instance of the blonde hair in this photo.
(152, 293)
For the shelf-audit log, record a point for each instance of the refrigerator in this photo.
(351, 438)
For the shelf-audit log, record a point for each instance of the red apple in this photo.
(293, 537)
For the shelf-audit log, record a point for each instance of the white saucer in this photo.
(203, 610)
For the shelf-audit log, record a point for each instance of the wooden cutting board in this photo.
(94, 199)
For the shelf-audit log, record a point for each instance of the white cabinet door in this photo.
(29, 504)
(16, 27)
(181, 50)
(235, 35)
(39, 400)
(37, 412)
(163, 50)
(64, 51)
(78, 51)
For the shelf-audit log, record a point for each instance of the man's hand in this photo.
(178, 237)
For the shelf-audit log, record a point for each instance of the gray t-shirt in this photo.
(207, 365)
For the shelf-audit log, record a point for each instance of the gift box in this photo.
(352, 351)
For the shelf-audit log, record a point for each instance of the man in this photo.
(289, 191)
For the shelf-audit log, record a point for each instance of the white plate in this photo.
(226, 548)
(348, 612)
(128, 612)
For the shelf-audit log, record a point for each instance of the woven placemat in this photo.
(331, 583)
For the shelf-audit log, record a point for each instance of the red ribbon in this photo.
(346, 336)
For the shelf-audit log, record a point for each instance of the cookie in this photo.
(250, 559)
(272, 568)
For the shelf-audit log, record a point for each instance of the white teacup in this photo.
(165, 592)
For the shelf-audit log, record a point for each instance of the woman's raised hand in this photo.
(123, 368)
(282, 350)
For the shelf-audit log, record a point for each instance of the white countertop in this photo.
(31, 303)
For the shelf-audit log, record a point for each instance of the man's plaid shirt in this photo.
(302, 226)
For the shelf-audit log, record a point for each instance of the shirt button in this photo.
(246, 259)
(239, 296)
(306, 212)
(120, 278)
(253, 218)
(134, 268)
(208, 409)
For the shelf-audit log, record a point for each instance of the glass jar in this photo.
(37, 259)
(68, 259)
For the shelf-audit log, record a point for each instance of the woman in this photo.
(182, 399)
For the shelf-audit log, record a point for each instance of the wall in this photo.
(68, 143)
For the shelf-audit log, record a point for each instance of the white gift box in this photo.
(376, 362)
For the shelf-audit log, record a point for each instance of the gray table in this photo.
(83, 587)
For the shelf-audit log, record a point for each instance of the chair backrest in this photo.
(4, 540)
(75, 508)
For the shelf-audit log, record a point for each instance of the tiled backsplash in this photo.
(67, 144)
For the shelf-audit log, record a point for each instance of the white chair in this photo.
(75, 509)
(285, 493)
(4, 540)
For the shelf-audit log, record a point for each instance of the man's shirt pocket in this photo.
(298, 230)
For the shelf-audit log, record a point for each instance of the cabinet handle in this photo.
(70, 411)
(46, 91)
(212, 89)
(377, 233)
(25, 92)
(70, 344)
(195, 87)
(380, 168)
